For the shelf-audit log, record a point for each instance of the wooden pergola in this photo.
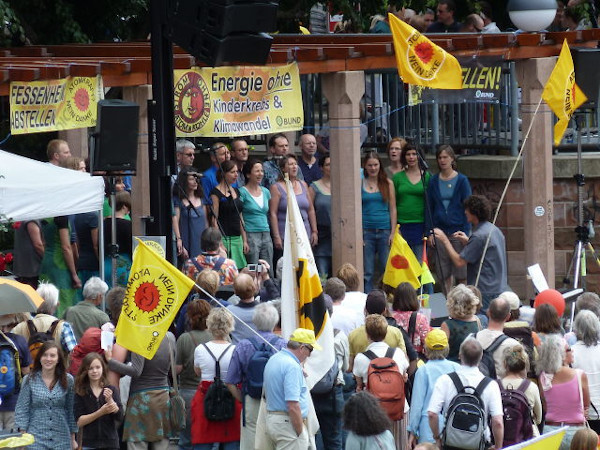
(129, 64)
(342, 59)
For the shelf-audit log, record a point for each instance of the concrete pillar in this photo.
(537, 167)
(344, 91)
(140, 199)
(78, 141)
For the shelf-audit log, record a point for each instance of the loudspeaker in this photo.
(584, 59)
(116, 143)
(223, 31)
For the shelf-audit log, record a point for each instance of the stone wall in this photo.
(488, 175)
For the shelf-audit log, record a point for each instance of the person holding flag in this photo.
(155, 292)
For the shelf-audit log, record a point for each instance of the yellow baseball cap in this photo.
(305, 336)
(436, 340)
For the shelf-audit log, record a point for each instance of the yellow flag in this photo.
(548, 441)
(426, 276)
(420, 61)
(155, 291)
(561, 93)
(402, 264)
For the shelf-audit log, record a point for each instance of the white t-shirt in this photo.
(346, 319)
(588, 360)
(444, 391)
(207, 364)
(361, 362)
(355, 300)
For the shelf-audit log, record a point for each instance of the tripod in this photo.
(583, 230)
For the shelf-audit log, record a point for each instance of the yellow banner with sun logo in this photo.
(402, 264)
(54, 105)
(561, 92)
(238, 101)
(155, 291)
(420, 61)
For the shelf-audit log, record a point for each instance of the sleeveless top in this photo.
(564, 403)
(303, 203)
(459, 330)
(229, 209)
(375, 211)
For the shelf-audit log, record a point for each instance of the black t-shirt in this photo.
(229, 210)
(123, 236)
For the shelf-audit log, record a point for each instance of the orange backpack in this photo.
(385, 381)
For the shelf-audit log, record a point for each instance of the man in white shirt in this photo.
(498, 314)
(444, 391)
(343, 319)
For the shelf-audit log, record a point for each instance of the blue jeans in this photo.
(235, 445)
(324, 265)
(329, 409)
(375, 242)
(185, 439)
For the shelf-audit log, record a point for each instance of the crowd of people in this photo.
(571, 15)
(226, 342)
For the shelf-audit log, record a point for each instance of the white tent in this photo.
(31, 189)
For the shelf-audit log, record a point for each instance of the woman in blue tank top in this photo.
(378, 215)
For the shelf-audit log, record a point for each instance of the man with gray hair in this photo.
(45, 320)
(86, 314)
(445, 390)
(186, 152)
(265, 318)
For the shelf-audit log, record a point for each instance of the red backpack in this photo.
(385, 381)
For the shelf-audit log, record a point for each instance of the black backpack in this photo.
(524, 336)
(465, 418)
(219, 404)
(487, 366)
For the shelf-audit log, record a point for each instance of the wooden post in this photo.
(344, 91)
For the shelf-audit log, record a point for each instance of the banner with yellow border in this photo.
(155, 291)
(53, 105)
(238, 101)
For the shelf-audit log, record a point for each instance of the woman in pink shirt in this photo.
(565, 390)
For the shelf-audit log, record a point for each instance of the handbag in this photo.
(579, 372)
(177, 413)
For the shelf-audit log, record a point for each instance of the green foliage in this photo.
(72, 21)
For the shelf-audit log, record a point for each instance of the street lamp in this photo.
(532, 15)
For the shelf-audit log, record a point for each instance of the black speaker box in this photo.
(584, 60)
(223, 31)
(116, 144)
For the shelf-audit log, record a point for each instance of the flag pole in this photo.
(512, 172)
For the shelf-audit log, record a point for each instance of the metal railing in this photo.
(484, 128)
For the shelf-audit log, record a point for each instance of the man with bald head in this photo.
(498, 314)
(308, 160)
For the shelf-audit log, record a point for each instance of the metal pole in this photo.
(515, 134)
(162, 140)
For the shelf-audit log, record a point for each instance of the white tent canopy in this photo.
(31, 189)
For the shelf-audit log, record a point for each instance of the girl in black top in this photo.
(227, 208)
(97, 404)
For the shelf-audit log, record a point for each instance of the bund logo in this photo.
(192, 103)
